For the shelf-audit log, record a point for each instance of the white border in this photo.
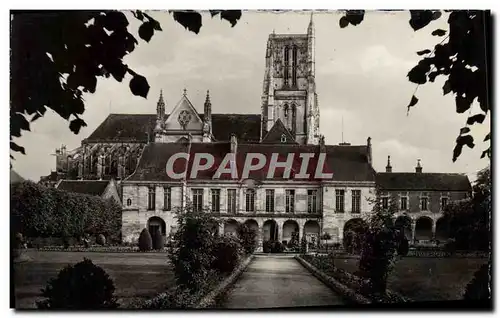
(199, 4)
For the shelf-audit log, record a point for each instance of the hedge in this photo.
(38, 211)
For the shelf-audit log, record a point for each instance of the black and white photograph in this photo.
(250, 159)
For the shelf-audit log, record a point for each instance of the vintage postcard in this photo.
(239, 159)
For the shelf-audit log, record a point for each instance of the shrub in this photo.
(101, 239)
(277, 247)
(248, 238)
(376, 259)
(38, 211)
(403, 247)
(227, 252)
(158, 242)
(266, 246)
(191, 251)
(450, 246)
(82, 286)
(479, 287)
(145, 241)
(178, 297)
(303, 245)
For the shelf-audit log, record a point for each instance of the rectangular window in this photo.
(404, 203)
(151, 198)
(444, 202)
(356, 201)
(290, 201)
(385, 202)
(231, 200)
(424, 200)
(215, 200)
(197, 200)
(250, 200)
(312, 201)
(269, 200)
(339, 201)
(167, 199)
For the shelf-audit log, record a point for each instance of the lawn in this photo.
(427, 279)
(136, 275)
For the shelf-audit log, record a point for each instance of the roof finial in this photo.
(418, 163)
(185, 92)
(208, 95)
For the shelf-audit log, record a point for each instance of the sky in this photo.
(360, 81)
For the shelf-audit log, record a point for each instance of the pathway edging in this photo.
(335, 285)
(209, 299)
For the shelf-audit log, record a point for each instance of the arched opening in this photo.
(231, 227)
(442, 229)
(312, 232)
(423, 228)
(290, 231)
(156, 223)
(286, 74)
(294, 66)
(270, 230)
(354, 229)
(294, 119)
(403, 223)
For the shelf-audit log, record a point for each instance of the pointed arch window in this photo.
(294, 66)
(287, 61)
(285, 112)
(294, 118)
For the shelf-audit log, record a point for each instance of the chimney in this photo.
(234, 143)
(418, 168)
(388, 168)
(369, 148)
(322, 147)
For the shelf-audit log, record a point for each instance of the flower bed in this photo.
(102, 249)
(325, 264)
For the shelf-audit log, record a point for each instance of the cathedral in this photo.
(134, 150)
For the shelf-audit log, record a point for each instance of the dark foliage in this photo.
(379, 246)
(248, 238)
(273, 246)
(158, 242)
(469, 220)
(191, 251)
(294, 241)
(303, 244)
(37, 211)
(101, 239)
(80, 287)
(463, 57)
(227, 251)
(58, 56)
(403, 247)
(145, 241)
(479, 286)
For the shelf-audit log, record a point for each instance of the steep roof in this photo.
(347, 163)
(423, 181)
(91, 187)
(135, 127)
(275, 133)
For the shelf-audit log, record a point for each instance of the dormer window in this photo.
(283, 138)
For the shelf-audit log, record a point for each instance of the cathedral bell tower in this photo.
(289, 90)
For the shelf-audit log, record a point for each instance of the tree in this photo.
(192, 250)
(379, 244)
(56, 56)
(469, 219)
(463, 57)
(248, 237)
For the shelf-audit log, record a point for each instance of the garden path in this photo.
(278, 282)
